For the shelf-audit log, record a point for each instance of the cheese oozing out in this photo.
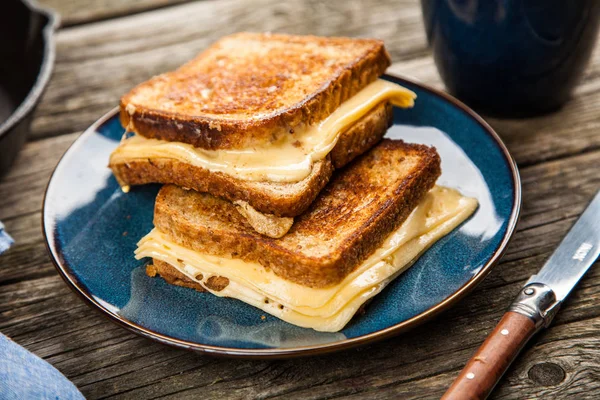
(324, 309)
(288, 160)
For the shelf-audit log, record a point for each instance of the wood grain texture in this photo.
(76, 12)
(558, 154)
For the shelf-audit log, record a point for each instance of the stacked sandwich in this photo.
(280, 191)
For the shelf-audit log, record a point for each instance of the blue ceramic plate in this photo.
(91, 229)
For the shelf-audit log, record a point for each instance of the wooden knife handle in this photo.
(492, 359)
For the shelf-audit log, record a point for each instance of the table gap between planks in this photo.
(107, 46)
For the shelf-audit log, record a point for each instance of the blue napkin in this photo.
(23, 375)
(5, 240)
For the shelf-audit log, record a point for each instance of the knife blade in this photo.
(534, 307)
(575, 254)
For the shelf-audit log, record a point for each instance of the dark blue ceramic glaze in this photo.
(514, 57)
(92, 229)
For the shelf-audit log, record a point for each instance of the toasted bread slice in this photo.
(171, 275)
(175, 277)
(354, 214)
(248, 89)
(267, 224)
(279, 199)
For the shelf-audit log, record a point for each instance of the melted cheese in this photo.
(288, 160)
(323, 309)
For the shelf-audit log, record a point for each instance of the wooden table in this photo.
(107, 46)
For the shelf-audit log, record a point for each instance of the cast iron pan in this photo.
(26, 57)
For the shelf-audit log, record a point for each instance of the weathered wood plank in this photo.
(558, 347)
(40, 155)
(24, 262)
(75, 12)
(22, 189)
(572, 350)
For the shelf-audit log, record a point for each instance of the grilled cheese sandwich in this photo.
(324, 309)
(280, 190)
(369, 225)
(259, 118)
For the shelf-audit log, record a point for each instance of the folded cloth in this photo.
(24, 375)
(5, 240)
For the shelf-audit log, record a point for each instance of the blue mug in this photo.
(511, 57)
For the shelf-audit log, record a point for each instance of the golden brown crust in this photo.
(217, 283)
(266, 224)
(248, 88)
(365, 134)
(171, 275)
(280, 199)
(360, 207)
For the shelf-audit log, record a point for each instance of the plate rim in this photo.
(300, 351)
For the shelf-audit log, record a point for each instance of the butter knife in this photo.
(533, 309)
